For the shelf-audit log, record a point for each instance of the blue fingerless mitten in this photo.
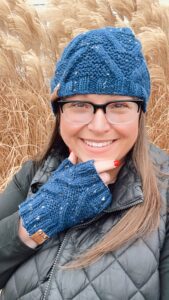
(72, 195)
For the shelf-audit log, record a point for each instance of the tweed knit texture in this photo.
(103, 61)
(72, 195)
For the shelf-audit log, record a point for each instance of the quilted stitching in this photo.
(111, 267)
(92, 281)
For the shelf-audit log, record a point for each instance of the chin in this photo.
(86, 157)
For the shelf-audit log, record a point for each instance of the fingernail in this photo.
(116, 163)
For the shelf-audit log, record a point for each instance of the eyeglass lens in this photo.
(116, 112)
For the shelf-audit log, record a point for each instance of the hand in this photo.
(73, 194)
(24, 236)
(106, 169)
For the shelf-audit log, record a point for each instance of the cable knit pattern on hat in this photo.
(73, 194)
(103, 61)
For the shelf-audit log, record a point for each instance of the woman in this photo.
(89, 221)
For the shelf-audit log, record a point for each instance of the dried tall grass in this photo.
(150, 22)
(24, 109)
(30, 44)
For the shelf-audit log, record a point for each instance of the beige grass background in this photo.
(30, 44)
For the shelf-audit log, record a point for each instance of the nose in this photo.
(99, 122)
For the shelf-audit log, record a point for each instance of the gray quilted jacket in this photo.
(131, 273)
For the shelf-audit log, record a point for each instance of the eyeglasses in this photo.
(116, 111)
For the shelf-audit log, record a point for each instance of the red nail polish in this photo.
(116, 163)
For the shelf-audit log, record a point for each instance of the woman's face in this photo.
(99, 140)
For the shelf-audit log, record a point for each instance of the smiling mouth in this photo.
(98, 144)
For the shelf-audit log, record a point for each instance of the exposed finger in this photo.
(73, 158)
(102, 166)
(108, 177)
(105, 177)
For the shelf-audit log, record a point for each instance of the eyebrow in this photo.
(66, 99)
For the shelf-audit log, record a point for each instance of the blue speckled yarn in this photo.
(73, 194)
(103, 61)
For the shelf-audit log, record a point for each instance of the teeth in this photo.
(98, 145)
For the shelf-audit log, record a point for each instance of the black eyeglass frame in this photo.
(61, 103)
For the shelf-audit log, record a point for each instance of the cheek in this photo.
(65, 131)
(68, 132)
(129, 133)
(128, 137)
(132, 132)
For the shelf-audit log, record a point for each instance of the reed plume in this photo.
(32, 41)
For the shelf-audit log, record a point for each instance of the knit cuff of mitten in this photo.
(73, 194)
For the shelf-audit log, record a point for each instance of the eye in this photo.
(118, 105)
(79, 105)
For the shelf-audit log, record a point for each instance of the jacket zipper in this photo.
(46, 293)
(47, 290)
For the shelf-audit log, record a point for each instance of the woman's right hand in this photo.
(106, 169)
(73, 194)
(24, 236)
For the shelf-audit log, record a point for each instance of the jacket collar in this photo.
(127, 190)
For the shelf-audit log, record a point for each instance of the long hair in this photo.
(138, 220)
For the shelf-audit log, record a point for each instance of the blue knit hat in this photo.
(103, 61)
